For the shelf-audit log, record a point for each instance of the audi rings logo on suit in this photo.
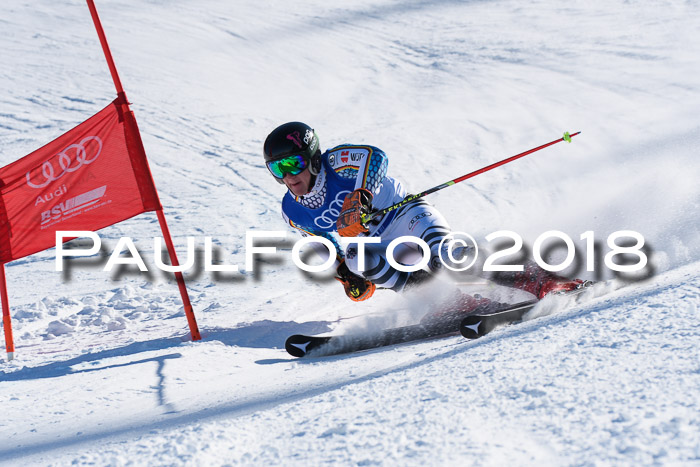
(325, 222)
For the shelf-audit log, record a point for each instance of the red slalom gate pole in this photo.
(130, 121)
(6, 320)
(189, 312)
(368, 217)
(105, 48)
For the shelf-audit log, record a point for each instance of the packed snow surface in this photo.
(105, 372)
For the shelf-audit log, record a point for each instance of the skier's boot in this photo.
(558, 285)
(537, 281)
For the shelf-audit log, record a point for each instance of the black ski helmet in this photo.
(294, 138)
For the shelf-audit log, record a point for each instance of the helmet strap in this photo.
(315, 165)
(312, 182)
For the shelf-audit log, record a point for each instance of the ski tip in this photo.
(300, 345)
(297, 345)
(469, 327)
(10, 356)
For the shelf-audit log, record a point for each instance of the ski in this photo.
(300, 345)
(475, 324)
(478, 325)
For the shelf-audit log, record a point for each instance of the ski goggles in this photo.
(292, 165)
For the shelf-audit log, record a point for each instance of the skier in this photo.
(329, 191)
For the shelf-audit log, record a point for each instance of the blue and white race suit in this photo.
(344, 169)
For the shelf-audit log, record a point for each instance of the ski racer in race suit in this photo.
(327, 194)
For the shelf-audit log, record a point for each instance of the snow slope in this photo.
(105, 372)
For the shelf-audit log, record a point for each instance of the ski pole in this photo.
(409, 199)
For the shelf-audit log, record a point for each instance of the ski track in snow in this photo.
(544, 381)
(105, 373)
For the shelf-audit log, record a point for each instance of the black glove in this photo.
(356, 287)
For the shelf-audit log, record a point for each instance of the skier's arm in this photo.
(367, 165)
(357, 288)
(372, 171)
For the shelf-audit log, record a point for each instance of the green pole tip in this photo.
(567, 137)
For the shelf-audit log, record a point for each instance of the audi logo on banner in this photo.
(70, 159)
(325, 222)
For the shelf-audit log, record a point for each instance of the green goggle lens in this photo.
(292, 165)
